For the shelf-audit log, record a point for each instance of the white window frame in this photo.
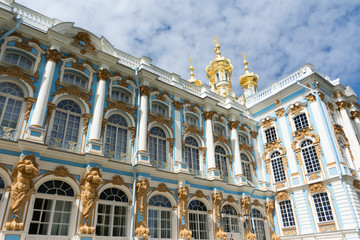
(303, 158)
(193, 148)
(115, 86)
(194, 117)
(292, 222)
(220, 165)
(166, 147)
(219, 126)
(161, 209)
(125, 155)
(197, 213)
(274, 133)
(230, 218)
(250, 166)
(256, 220)
(316, 217)
(302, 124)
(278, 172)
(160, 105)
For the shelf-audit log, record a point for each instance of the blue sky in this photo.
(277, 36)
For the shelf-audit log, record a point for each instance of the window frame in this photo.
(230, 217)
(156, 162)
(288, 215)
(301, 123)
(221, 165)
(278, 158)
(251, 170)
(272, 134)
(160, 209)
(333, 216)
(197, 213)
(304, 160)
(257, 220)
(193, 149)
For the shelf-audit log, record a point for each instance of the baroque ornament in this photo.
(269, 206)
(141, 230)
(222, 139)
(317, 187)
(356, 184)
(217, 200)
(182, 195)
(142, 188)
(82, 40)
(21, 189)
(103, 74)
(53, 55)
(16, 72)
(117, 180)
(120, 106)
(145, 90)
(89, 196)
(311, 98)
(282, 195)
(280, 112)
(220, 234)
(208, 115)
(233, 124)
(29, 103)
(245, 205)
(178, 105)
(185, 232)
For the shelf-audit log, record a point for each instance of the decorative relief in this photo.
(178, 105)
(171, 142)
(233, 124)
(86, 122)
(250, 235)
(62, 172)
(340, 132)
(327, 227)
(117, 180)
(253, 134)
(274, 236)
(199, 194)
(354, 114)
(311, 98)
(25, 44)
(145, 90)
(296, 109)
(317, 187)
(120, 106)
(220, 234)
(245, 205)
(142, 230)
(21, 189)
(103, 125)
(280, 112)
(244, 127)
(230, 199)
(291, 231)
(133, 134)
(257, 203)
(271, 146)
(89, 196)
(267, 123)
(222, 139)
(18, 73)
(53, 55)
(330, 106)
(269, 206)
(217, 200)
(314, 176)
(208, 115)
(29, 103)
(246, 147)
(185, 232)
(182, 195)
(337, 94)
(282, 195)
(322, 96)
(203, 149)
(301, 134)
(142, 188)
(160, 119)
(193, 130)
(82, 40)
(50, 109)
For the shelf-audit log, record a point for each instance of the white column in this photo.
(355, 115)
(236, 148)
(178, 147)
(212, 171)
(350, 132)
(95, 129)
(53, 57)
(144, 92)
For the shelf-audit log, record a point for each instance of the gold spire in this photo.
(219, 73)
(192, 78)
(249, 79)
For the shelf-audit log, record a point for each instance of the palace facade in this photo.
(97, 144)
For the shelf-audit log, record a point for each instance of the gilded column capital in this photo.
(145, 90)
(53, 55)
(341, 105)
(280, 112)
(208, 115)
(103, 74)
(322, 96)
(311, 98)
(253, 134)
(178, 105)
(233, 124)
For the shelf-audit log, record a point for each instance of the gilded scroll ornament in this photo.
(222, 139)
(327, 227)
(50, 109)
(182, 195)
(199, 194)
(89, 196)
(317, 187)
(257, 203)
(253, 134)
(296, 109)
(354, 114)
(16, 72)
(120, 106)
(208, 115)
(250, 235)
(274, 236)
(53, 55)
(21, 189)
(133, 134)
(142, 230)
(117, 180)
(356, 184)
(230, 199)
(61, 171)
(160, 119)
(311, 98)
(282, 195)
(86, 122)
(193, 130)
(267, 123)
(171, 142)
(322, 96)
(29, 103)
(220, 234)
(142, 188)
(185, 232)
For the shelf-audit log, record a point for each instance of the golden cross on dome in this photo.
(244, 55)
(191, 61)
(216, 40)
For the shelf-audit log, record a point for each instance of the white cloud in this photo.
(277, 36)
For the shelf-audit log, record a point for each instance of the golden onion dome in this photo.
(249, 79)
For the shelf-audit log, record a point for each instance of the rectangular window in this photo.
(270, 134)
(278, 169)
(323, 207)
(287, 214)
(301, 121)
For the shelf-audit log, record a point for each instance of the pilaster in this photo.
(143, 155)
(213, 172)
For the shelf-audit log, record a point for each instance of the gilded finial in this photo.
(245, 63)
(192, 78)
(248, 80)
(217, 46)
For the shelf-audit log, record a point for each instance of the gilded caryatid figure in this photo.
(219, 72)
(21, 189)
(182, 195)
(141, 230)
(245, 205)
(185, 233)
(89, 196)
(142, 188)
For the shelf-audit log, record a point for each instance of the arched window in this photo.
(245, 163)
(19, 60)
(287, 214)
(2, 187)
(11, 101)
(75, 79)
(66, 124)
(310, 156)
(219, 130)
(242, 139)
(112, 213)
(221, 163)
(52, 209)
(157, 147)
(259, 224)
(270, 134)
(121, 96)
(116, 137)
(277, 167)
(159, 217)
(191, 120)
(198, 220)
(230, 219)
(192, 155)
(301, 121)
(158, 108)
(323, 207)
